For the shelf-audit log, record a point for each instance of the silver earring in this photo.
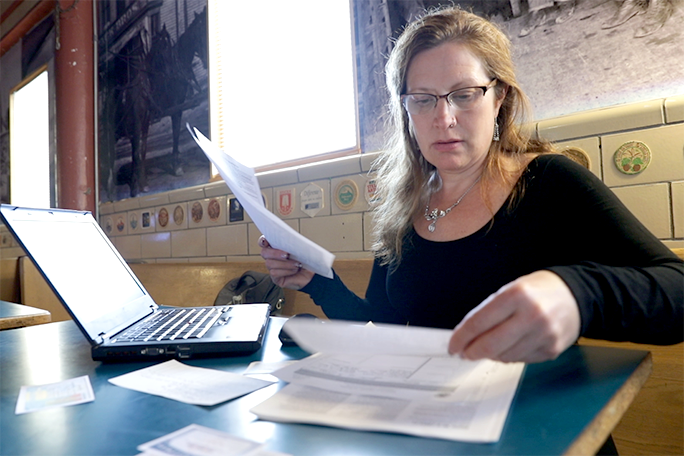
(496, 130)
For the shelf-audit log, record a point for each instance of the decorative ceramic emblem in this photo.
(346, 194)
(311, 200)
(236, 212)
(178, 215)
(120, 224)
(109, 225)
(214, 209)
(371, 191)
(197, 212)
(163, 217)
(285, 201)
(133, 221)
(632, 157)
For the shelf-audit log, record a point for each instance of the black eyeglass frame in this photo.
(484, 89)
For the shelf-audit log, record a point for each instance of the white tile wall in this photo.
(651, 205)
(655, 196)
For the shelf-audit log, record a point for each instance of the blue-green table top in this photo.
(554, 405)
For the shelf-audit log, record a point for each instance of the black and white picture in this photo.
(570, 55)
(152, 67)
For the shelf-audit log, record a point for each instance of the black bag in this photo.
(252, 287)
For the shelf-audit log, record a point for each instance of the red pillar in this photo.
(75, 115)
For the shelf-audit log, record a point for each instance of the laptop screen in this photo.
(82, 266)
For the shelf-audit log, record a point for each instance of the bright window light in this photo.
(282, 85)
(30, 144)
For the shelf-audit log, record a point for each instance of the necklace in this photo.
(436, 214)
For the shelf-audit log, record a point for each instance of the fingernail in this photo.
(300, 265)
(286, 256)
(262, 241)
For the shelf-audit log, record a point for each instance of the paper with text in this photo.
(445, 398)
(68, 392)
(243, 183)
(192, 385)
(335, 336)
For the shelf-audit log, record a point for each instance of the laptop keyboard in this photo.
(173, 324)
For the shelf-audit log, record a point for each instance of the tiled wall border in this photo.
(345, 230)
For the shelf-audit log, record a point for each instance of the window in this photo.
(282, 81)
(30, 176)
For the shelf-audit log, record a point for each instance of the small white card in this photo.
(196, 440)
(61, 394)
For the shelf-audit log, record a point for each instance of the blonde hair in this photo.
(403, 174)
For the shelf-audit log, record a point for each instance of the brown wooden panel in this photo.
(35, 291)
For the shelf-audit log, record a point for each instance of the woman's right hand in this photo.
(285, 273)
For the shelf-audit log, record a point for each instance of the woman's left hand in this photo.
(532, 319)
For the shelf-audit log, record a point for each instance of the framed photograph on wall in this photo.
(152, 79)
(571, 55)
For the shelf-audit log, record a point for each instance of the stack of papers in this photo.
(368, 389)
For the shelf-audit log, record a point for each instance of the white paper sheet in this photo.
(68, 392)
(334, 336)
(243, 183)
(432, 397)
(192, 385)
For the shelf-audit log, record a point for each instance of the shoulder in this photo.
(558, 169)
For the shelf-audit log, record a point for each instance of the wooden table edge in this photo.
(597, 431)
(21, 321)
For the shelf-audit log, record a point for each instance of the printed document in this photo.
(243, 183)
(391, 378)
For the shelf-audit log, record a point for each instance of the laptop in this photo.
(110, 305)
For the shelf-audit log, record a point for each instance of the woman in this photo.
(481, 228)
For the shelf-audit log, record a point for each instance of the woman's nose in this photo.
(445, 114)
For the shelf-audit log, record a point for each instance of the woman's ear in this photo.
(500, 97)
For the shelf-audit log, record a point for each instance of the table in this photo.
(568, 405)
(14, 315)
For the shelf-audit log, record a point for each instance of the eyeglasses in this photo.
(464, 99)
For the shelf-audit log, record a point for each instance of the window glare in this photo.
(30, 145)
(286, 81)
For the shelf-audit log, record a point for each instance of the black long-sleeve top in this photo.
(627, 283)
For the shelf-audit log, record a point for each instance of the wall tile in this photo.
(367, 160)
(141, 221)
(207, 212)
(186, 194)
(189, 243)
(341, 197)
(338, 233)
(156, 245)
(367, 230)
(678, 208)
(157, 199)
(254, 234)
(674, 109)
(296, 210)
(126, 205)
(331, 168)
(593, 149)
(106, 208)
(227, 240)
(277, 178)
(605, 120)
(172, 217)
(214, 189)
(651, 205)
(115, 224)
(667, 160)
(128, 247)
